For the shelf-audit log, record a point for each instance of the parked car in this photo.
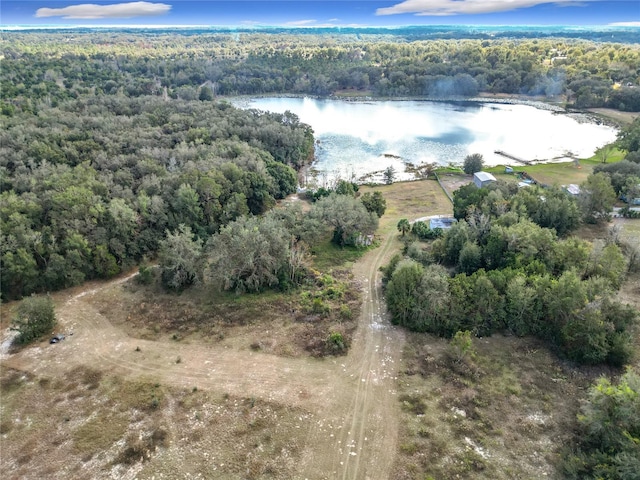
(57, 338)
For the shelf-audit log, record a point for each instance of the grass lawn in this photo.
(411, 200)
(557, 173)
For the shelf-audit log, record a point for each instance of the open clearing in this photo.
(138, 391)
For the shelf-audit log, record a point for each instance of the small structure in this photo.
(482, 179)
(442, 222)
(508, 169)
(572, 189)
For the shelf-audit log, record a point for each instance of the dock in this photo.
(513, 157)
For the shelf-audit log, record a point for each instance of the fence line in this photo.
(443, 189)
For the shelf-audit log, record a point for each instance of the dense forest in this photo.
(503, 267)
(46, 68)
(90, 186)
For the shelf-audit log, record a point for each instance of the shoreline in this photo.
(600, 116)
(554, 106)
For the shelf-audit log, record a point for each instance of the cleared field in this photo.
(504, 413)
(623, 117)
(221, 386)
(411, 200)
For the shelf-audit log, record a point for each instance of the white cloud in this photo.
(625, 24)
(300, 23)
(118, 10)
(466, 7)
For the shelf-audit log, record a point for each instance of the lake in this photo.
(356, 140)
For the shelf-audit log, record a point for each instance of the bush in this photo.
(145, 274)
(335, 342)
(610, 432)
(34, 317)
(473, 163)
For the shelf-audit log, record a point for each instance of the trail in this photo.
(355, 436)
(97, 342)
(351, 400)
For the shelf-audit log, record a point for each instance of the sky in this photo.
(316, 13)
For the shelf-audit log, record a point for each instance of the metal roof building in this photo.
(482, 179)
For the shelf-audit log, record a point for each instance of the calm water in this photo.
(359, 138)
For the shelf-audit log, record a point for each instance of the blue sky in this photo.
(321, 13)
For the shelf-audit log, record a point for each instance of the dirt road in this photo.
(354, 436)
(352, 401)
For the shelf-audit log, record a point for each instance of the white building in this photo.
(482, 179)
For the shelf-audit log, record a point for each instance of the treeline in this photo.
(502, 267)
(625, 175)
(252, 253)
(88, 188)
(46, 68)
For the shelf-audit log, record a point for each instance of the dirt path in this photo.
(355, 436)
(352, 404)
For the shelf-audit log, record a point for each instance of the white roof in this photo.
(572, 189)
(484, 176)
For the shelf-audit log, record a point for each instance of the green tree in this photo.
(348, 217)
(467, 197)
(470, 258)
(249, 254)
(35, 316)
(389, 175)
(473, 163)
(404, 226)
(608, 446)
(284, 176)
(461, 345)
(374, 202)
(605, 152)
(401, 292)
(205, 94)
(597, 198)
(629, 137)
(179, 258)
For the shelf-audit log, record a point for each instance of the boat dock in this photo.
(513, 157)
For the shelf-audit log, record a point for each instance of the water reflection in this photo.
(358, 138)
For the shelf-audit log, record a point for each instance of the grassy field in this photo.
(88, 424)
(557, 173)
(503, 413)
(411, 200)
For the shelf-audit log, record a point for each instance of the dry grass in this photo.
(502, 415)
(291, 324)
(625, 118)
(65, 428)
(411, 200)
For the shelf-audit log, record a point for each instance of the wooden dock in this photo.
(513, 157)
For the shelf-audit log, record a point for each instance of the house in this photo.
(572, 189)
(482, 179)
(442, 222)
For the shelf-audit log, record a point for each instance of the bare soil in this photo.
(624, 118)
(207, 403)
(150, 385)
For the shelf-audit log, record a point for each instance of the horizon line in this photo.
(302, 27)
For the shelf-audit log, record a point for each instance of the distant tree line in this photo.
(47, 68)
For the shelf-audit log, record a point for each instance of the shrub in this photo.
(335, 342)
(34, 317)
(473, 163)
(610, 432)
(145, 274)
